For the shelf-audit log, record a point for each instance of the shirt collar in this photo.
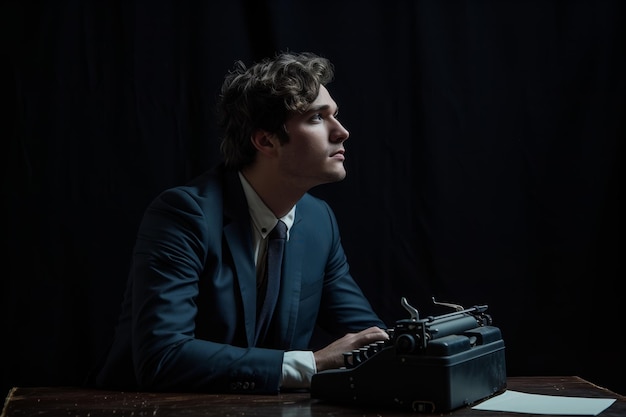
(262, 217)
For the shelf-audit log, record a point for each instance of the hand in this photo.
(331, 357)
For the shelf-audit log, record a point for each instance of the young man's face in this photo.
(314, 154)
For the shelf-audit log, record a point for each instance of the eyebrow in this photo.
(320, 108)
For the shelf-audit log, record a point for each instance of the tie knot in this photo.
(279, 231)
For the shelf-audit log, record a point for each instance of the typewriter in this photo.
(431, 364)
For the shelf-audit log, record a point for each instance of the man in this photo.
(197, 285)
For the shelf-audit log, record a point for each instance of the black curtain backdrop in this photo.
(484, 162)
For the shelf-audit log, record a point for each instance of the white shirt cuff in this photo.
(298, 369)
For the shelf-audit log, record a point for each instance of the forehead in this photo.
(323, 99)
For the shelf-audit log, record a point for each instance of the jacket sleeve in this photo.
(344, 308)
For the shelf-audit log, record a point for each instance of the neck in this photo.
(277, 194)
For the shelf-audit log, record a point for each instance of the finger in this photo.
(376, 331)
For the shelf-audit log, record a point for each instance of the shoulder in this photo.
(313, 206)
(197, 205)
(204, 189)
(315, 215)
(194, 209)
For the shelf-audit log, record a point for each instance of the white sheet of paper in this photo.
(519, 402)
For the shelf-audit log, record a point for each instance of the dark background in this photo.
(484, 163)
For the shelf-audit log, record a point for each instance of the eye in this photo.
(317, 117)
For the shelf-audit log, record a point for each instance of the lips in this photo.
(339, 153)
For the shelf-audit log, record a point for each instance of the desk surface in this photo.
(73, 402)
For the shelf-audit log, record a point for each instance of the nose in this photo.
(339, 133)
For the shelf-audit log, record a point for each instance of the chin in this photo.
(338, 176)
(331, 175)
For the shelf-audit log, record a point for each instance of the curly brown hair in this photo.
(263, 96)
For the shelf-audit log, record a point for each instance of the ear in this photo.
(264, 141)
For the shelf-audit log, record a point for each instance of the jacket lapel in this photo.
(239, 239)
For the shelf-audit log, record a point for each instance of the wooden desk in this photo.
(73, 402)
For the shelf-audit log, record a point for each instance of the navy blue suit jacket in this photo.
(189, 313)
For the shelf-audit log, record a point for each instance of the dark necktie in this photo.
(275, 248)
